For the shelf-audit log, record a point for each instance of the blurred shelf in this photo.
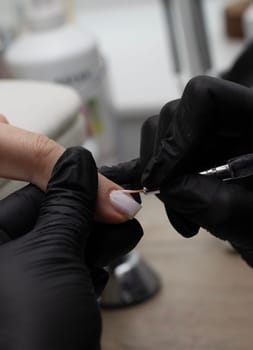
(223, 50)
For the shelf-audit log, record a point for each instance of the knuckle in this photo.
(199, 86)
(42, 145)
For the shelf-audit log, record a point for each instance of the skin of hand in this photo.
(27, 156)
(31, 157)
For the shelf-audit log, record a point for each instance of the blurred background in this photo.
(149, 48)
(125, 59)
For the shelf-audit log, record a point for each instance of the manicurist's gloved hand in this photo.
(47, 299)
(48, 272)
(211, 123)
(224, 209)
(107, 242)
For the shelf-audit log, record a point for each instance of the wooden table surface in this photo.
(206, 300)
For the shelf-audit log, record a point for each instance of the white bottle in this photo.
(53, 50)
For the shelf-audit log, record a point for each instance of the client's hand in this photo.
(210, 124)
(31, 157)
(107, 242)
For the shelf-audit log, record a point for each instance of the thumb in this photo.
(69, 202)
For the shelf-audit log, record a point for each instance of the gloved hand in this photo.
(211, 123)
(224, 209)
(47, 300)
(106, 243)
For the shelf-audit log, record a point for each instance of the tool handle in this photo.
(241, 167)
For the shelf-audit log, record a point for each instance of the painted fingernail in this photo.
(125, 203)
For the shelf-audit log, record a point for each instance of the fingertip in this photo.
(182, 225)
(117, 208)
(124, 203)
(112, 205)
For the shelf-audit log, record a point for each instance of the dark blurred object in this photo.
(132, 281)
(241, 71)
(233, 18)
(188, 38)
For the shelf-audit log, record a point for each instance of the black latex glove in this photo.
(211, 123)
(224, 209)
(106, 243)
(47, 300)
(18, 215)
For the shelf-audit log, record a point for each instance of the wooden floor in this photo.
(206, 302)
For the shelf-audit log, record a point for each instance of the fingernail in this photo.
(125, 203)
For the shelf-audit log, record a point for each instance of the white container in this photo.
(53, 50)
